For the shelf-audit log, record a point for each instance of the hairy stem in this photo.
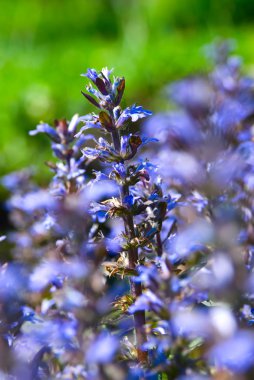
(159, 244)
(136, 288)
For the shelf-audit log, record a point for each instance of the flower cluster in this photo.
(137, 261)
(205, 153)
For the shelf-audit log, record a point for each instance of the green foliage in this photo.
(46, 44)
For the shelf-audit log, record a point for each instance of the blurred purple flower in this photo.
(30, 202)
(235, 354)
(194, 94)
(103, 349)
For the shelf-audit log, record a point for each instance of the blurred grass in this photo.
(46, 44)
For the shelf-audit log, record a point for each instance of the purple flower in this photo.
(235, 354)
(177, 128)
(102, 82)
(230, 113)
(194, 94)
(13, 281)
(63, 132)
(17, 181)
(192, 324)
(192, 238)
(45, 128)
(91, 74)
(106, 73)
(33, 201)
(147, 275)
(96, 190)
(50, 272)
(147, 301)
(129, 201)
(103, 349)
(120, 169)
(133, 114)
(58, 333)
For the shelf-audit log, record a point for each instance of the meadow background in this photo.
(46, 44)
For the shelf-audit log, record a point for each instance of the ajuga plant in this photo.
(137, 261)
(66, 319)
(117, 153)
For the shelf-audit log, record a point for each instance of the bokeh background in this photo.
(46, 44)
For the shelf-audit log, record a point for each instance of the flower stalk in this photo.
(135, 288)
(117, 152)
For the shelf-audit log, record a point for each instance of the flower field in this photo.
(136, 261)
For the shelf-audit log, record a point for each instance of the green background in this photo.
(46, 44)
